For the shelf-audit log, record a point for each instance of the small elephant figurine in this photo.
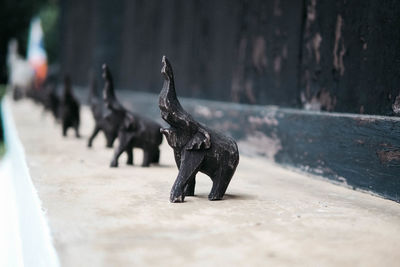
(133, 130)
(196, 147)
(105, 120)
(69, 109)
(50, 99)
(53, 101)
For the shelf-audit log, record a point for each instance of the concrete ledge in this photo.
(122, 217)
(23, 227)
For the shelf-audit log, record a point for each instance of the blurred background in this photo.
(340, 56)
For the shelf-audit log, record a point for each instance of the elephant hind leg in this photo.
(64, 129)
(220, 183)
(109, 140)
(76, 128)
(146, 158)
(155, 158)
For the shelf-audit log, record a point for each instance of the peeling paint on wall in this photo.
(321, 101)
(316, 45)
(277, 8)
(277, 64)
(339, 48)
(260, 144)
(396, 105)
(311, 11)
(259, 56)
(238, 73)
(207, 113)
(248, 88)
(267, 120)
(388, 155)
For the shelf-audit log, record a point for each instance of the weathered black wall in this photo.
(332, 55)
(350, 60)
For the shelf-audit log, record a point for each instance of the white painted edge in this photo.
(24, 230)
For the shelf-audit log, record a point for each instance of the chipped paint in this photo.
(203, 111)
(365, 120)
(311, 11)
(342, 180)
(284, 51)
(316, 45)
(277, 8)
(259, 144)
(277, 64)
(267, 120)
(238, 73)
(207, 113)
(321, 101)
(339, 49)
(248, 88)
(259, 55)
(388, 155)
(396, 105)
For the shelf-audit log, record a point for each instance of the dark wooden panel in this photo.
(331, 55)
(77, 39)
(242, 51)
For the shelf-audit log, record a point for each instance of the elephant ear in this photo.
(200, 140)
(129, 122)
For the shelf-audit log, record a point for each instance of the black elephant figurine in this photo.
(105, 120)
(196, 147)
(133, 129)
(53, 101)
(69, 109)
(48, 97)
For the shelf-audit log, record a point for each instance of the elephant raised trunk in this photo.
(93, 92)
(108, 91)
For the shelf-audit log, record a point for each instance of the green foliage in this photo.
(2, 90)
(49, 15)
(2, 146)
(2, 149)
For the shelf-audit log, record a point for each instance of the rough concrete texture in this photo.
(101, 216)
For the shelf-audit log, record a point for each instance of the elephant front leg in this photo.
(91, 138)
(189, 166)
(109, 141)
(110, 137)
(76, 127)
(129, 152)
(122, 146)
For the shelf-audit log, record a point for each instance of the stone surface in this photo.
(270, 216)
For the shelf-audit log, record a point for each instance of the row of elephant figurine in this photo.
(196, 147)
